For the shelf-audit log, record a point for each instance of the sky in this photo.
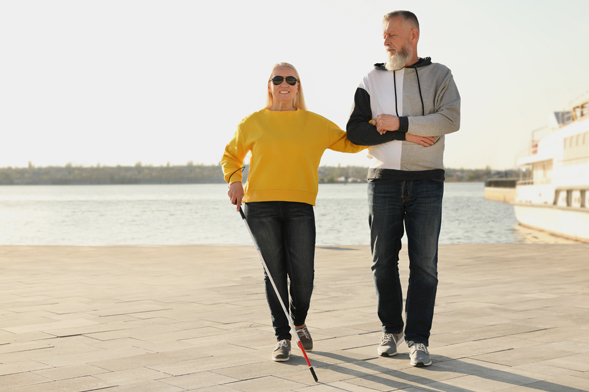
(157, 82)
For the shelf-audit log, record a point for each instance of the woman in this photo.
(286, 143)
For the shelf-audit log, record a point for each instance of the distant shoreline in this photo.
(193, 174)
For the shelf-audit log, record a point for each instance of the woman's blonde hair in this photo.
(299, 100)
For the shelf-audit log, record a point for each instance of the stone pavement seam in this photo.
(119, 319)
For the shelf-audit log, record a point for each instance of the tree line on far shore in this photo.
(192, 174)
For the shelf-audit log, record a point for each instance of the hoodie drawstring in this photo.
(395, 83)
(418, 87)
(420, 97)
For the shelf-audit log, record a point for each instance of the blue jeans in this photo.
(418, 204)
(285, 233)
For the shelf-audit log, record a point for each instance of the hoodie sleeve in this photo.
(446, 117)
(359, 130)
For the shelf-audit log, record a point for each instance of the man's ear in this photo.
(414, 35)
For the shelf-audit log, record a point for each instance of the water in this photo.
(201, 214)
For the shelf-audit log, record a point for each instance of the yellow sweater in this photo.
(286, 150)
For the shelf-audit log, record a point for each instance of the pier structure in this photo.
(509, 317)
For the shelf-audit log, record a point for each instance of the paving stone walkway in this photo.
(509, 317)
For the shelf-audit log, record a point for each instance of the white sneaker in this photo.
(419, 355)
(389, 343)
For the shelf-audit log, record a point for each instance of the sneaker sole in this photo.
(386, 354)
(280, 359)
(421, 364)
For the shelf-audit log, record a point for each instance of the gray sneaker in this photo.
(305, 338)
(389, 343)
(282, 351)
(419, 355)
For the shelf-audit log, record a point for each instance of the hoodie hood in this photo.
(418, 64)
(422, 62)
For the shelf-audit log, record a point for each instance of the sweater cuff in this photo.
(403, 124)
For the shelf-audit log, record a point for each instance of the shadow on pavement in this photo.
(405, 380)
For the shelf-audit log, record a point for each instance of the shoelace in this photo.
(387, 338)
(282, 343)
(304, 331)
(420, 347)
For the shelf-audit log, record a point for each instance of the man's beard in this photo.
(399, 59)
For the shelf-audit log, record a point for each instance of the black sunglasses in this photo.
(277, 80)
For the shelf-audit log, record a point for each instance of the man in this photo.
(407, 95)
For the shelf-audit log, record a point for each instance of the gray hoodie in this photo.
(426, 100)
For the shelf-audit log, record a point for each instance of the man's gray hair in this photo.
(406, 15)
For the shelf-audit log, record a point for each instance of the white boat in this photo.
(553, 192)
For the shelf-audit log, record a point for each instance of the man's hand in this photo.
(386, 122)
(236, 194)
(424, 141)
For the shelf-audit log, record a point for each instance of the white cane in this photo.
(279, 298)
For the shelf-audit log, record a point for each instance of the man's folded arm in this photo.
(359, 129)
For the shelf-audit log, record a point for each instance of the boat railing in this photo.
(542, 181)
(580, 110)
